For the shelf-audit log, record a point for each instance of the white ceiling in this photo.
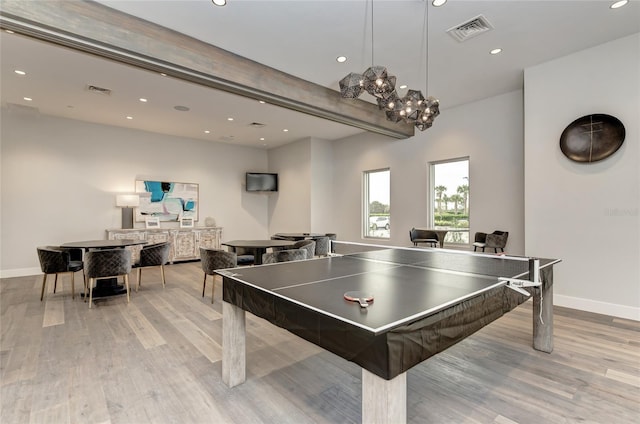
(303, 38)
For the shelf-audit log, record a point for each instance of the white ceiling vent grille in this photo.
(99, 90)
(471, 28)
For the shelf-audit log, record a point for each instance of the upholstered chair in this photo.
(213, 259)
(107, 263)
(284, 256)
(332, 237)
(322, 246)
(496, 240)
(423, 236)
(308, 245)
(153, 255)
(55, 260)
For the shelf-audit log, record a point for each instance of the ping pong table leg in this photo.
(233, 345)
(384, 401)
(543, 315)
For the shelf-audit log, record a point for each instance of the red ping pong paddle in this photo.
(361, 297)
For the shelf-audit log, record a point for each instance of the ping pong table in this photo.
(424, 301)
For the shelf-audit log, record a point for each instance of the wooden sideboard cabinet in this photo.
(185, 242)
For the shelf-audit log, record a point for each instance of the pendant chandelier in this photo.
(413, 108)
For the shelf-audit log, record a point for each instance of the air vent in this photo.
(99, 90)
(470, 29)
(256, 125)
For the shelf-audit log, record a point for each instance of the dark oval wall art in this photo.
(592, 138)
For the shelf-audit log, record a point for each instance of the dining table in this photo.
(105, 287)
(257, 247)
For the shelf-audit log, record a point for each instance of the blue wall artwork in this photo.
(168, 201)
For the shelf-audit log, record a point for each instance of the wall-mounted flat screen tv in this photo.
(262, 181)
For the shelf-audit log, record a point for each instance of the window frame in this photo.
(431, 197)
(366, 203)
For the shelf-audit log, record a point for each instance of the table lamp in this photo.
(127, 202)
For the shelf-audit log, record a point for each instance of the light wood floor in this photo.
(157, 360)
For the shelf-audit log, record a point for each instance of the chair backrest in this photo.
(155, 254)
(212, 259)
(53, 259)
(308, 245)
(284, 256)
(107, 263)
(480, 237)
(497, 239)
(322, 246)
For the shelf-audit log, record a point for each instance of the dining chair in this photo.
(56, 260)
(213, 259)
(308, 245)
(286, 255)
(153, 255)
(322, 246)
(107, 263)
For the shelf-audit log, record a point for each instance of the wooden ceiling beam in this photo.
(94, 28)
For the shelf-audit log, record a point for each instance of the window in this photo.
(377, 217)
(449, 200)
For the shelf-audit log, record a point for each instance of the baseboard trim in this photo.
(604, 308)
(19, 272)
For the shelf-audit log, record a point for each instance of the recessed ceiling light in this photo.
(143, 100)
(207, 131)
(261, 138)
(19, 72)
(438, 3)
(341, 59)
(219, 2)
(285, 130)
(8, 31)
(496, 51)
(28, 99)
(403, 86)
(162, 74)
(619, 4)
(261, 101)
(129, 117)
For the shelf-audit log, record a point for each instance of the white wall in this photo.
(304, 200)
(489, 132)
(290, 207)
(586, 214)
(59, 180)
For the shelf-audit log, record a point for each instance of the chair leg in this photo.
(73, 289)
(126, 284)
(91, 281)
(204, 284)
(162, 274)
(55, 283)
(213, 286)
(44, 285)
(139, 278)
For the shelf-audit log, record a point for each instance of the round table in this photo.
(106, 286)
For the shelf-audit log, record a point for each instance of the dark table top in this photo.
(103, 244)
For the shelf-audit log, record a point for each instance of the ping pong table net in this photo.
(498, 266)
